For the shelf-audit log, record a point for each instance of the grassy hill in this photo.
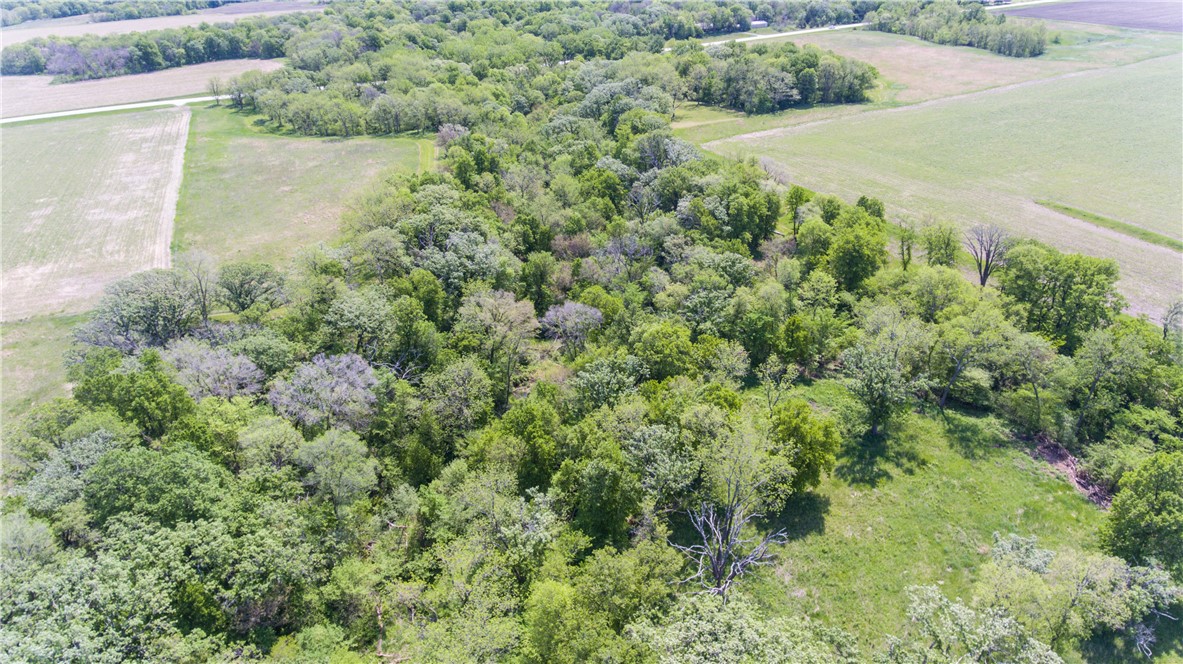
(920, 506)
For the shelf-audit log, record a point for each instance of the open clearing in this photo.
(70, 231)
(30, 95)
(1142, 14)
(920, 508)
(32, 369)
(75, 26)
(252, 195)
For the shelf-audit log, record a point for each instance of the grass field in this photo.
(32, 370)
(252, 195)
(1112, 144)
(76, 26)
(919, 507)
(70, 231)
(31, 95)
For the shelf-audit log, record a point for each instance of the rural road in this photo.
(119, 107)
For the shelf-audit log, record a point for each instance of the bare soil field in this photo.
(70, 231)
(1141, 14)
(30, 95)
(72, 27)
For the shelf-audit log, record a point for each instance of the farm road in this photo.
(107, 109)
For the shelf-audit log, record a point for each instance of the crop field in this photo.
(251, 195)
(1113, 147)
(70, 231)
(913, 71)
(76, 26)
(919, 508)
(30, 95)
(1141, 14)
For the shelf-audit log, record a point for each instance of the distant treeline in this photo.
(948, 22)
(13, 12)
(352, 30)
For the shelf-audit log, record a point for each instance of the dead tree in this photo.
(726, 553)
(988, 245)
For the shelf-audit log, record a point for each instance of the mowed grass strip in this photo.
(1119, 226)
(250, 195)
(1109, 141)
(918, 507)
(85, 201)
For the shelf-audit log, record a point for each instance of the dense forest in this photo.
(960, 24)
(539, 405)
(13, 12)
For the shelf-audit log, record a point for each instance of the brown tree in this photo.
(988, 245)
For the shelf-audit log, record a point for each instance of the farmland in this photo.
(1141, 14)
(68, 232)
(76, 26)
(965, 135)
(247, 194)
(29, 95)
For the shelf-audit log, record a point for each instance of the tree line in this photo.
(13, 12)
(960, 24)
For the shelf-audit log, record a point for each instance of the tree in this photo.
(807, 440)
(502, 327)
(1146, 521)
(199, 265)
(571, 323)
(1103, 359)
(665, 348)
(1172, 320)
(460, 396)
(339, 468)
(907, 242)
(966, 339)
(726, 548)
(167, 487)
(146, 396)
(146, 309)
(873, 206)
(877, 379)
(212, 372)
(856, 253)
(797, 197)
(246, 284)
(1061, 296)
(988, 245)
(940, 244)
(330, 391)
(945, 631)
(703, 629)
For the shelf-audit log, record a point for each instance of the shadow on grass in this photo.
(803, 515)
(871, 460)
(974, 437)
(1119, 647)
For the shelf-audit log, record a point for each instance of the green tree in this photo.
(1146, 521)
(339, 467)
(665, 348)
